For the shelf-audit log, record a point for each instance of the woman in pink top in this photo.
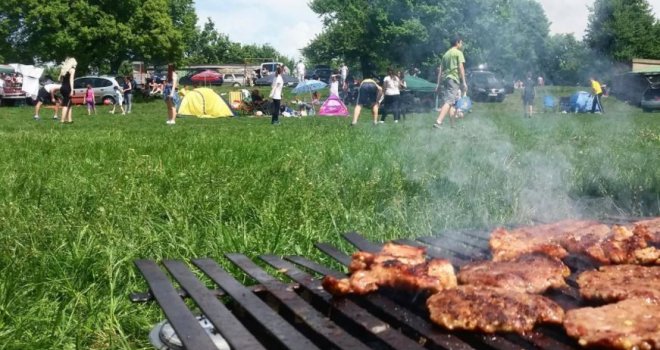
(89, 99)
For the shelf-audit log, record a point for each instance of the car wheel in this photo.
(236, 85)
(108, 100)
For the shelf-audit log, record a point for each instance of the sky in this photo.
(289, 25)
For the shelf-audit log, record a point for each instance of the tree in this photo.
(565, 60)
(97, 33)
(623, 29)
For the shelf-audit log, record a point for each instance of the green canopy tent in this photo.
(6, 69)
(417, 84)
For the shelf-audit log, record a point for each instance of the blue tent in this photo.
(581, 102)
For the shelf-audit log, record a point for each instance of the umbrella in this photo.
(309, 86)
(6, 69)
(207, 76)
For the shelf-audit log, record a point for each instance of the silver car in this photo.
(235, 80)
(104, 92)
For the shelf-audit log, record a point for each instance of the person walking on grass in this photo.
(47, 95)
(67, 74)
(369, 94)
(451, 74)
(128, 94)
(276, 96)
(119, 99)
(170, 95)
(597, 91)
(391, 85)
(528, 95)
(90, 100)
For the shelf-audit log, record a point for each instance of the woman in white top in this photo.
(276, 95)
(391, 85)
(334, 85)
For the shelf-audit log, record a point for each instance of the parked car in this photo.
(322, 74)
(632, 87)
(102, 86)
(651, 99)
(11, 89)
(485, 86)
(235, 80)
(268, 80)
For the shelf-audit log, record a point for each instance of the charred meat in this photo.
(623, 246)
(396, 266)
(619, 282)
(555, 239)
(532, 273)
(629, 324)
(490, 310)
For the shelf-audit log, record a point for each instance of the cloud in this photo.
(287, 25)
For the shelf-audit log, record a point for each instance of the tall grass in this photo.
(80, 202)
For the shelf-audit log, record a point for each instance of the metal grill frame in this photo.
(292, 311)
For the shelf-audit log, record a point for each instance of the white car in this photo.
(235, 80)
(102, 86)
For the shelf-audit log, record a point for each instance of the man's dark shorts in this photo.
(451, 91)
(367, 94)
(44, 96)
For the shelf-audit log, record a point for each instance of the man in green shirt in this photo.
(451, 74)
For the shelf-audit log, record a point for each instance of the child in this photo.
(89, 99)
(119, 100)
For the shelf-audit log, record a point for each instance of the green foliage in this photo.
(623, 29)
(125, 69)
(509, 35)
(566, 60)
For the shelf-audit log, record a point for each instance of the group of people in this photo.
(60, 94)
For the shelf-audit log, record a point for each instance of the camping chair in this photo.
(549, 104)
(236, 102)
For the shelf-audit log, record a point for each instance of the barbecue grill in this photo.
(292, 311)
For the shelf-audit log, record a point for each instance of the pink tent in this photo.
(333, 107)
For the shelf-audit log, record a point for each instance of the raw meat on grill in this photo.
(397, 266)
(551, 239)
(623, 246)
(629, 324)
(649, 229)
(619, 282)
(532, 273)
(490, 310)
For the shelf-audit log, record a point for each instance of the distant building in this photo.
(640, 65)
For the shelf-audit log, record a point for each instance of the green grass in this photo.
(80, 202)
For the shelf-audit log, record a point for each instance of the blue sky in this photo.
(288, 25)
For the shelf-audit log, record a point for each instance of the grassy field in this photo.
(80, 202)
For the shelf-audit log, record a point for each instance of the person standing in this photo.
(528, 95)
(391, 85)
(128, 93)
(334, 85)
(90, 100)
(170, 95)
(451, 73)
(119, 98)
(47, 95)
(369, 94)
(67, 74)
(300, 71)
(597, 91)
(276, 96)
(343, 71)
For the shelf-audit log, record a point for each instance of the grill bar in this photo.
(316, 326)
(347, 309)
(182, 320)
(281, 331)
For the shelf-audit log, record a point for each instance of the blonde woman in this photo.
(67, 74)
(170, 95)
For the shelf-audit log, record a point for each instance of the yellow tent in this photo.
(204, 103)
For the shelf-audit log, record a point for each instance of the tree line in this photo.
(510, 36)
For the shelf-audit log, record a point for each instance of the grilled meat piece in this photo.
(532, 273)
(623, 246)
(619, 282)
(551, 239)
(397, 266)
(490, 310)
(649, 229)
(629, 324)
